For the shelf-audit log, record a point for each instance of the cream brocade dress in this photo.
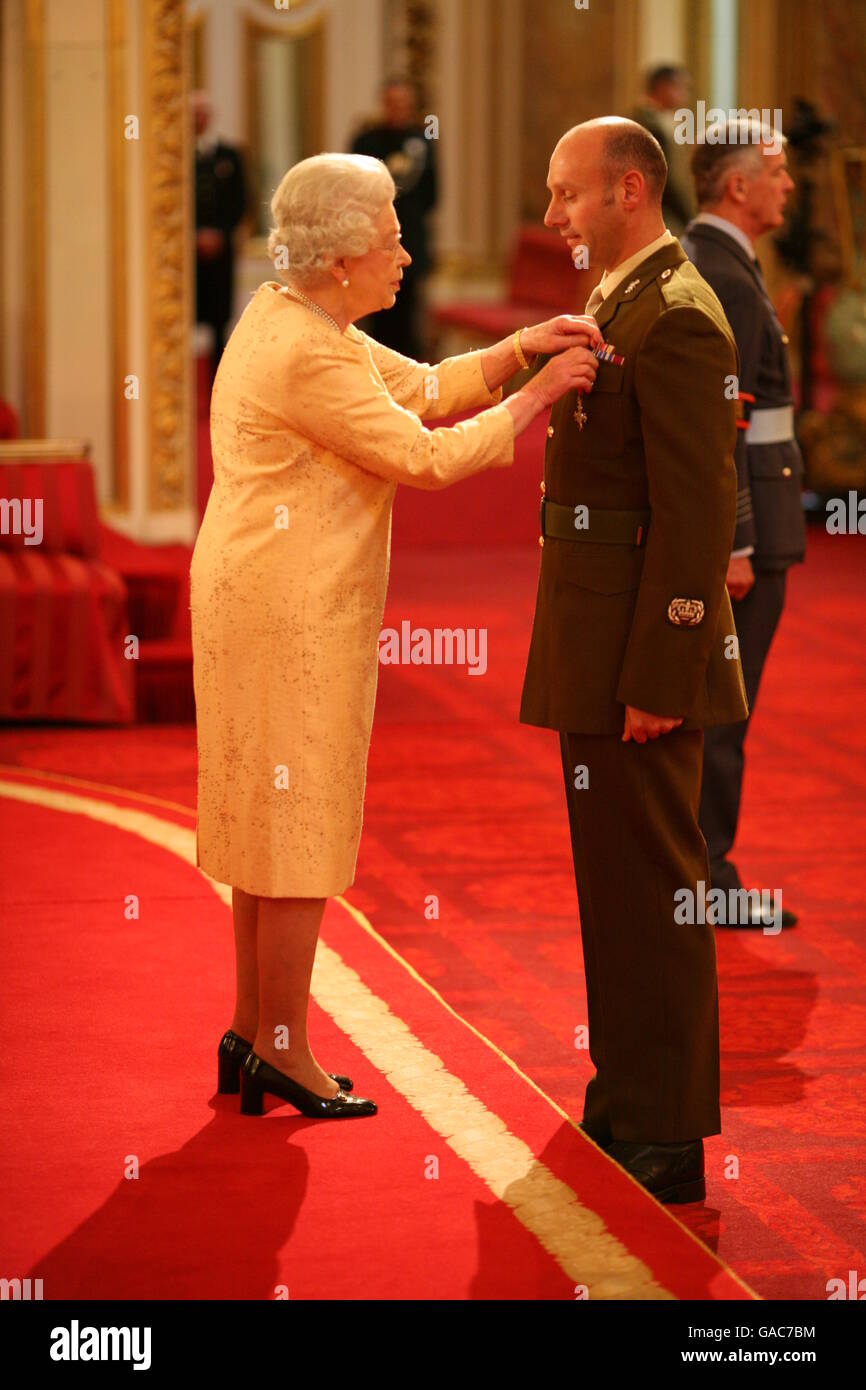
(311, 431)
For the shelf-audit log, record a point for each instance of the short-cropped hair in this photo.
(665, 72)
(741, 149)
(629, 146)
(326, 207)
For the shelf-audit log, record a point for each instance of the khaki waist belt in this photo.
(593, 524)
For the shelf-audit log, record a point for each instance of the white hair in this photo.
(326, 207)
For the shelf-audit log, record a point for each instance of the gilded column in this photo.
(117, 155)
(34, 215)
(167, 256)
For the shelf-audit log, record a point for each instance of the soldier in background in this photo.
(220, 206)
(399, 139)
(668, 90)
(742, 188)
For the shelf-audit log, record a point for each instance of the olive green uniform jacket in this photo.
(646, 625)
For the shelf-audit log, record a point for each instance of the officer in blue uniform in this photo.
(742, 184)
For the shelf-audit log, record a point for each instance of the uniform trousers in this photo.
(651, 984)
(756, 617)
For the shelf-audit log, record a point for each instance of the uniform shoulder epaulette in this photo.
(663, 280)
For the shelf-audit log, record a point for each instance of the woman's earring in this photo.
(345, 284)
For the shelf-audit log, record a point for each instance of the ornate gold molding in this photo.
(422, 22)
(45, 449)
(288, 10)
(196, 37)
(34, 217)
(167, 259)
(117, 155)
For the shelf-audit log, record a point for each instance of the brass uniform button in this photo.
(786, 472)
(550, 431)
(541, 540)
(542, 487)
(785, 339)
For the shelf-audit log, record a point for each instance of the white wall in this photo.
(354, 70)
(661, 33)
(354, 61)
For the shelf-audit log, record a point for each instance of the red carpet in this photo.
(131, 1181)
(466, 804)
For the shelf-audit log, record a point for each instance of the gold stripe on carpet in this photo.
(572, 1234)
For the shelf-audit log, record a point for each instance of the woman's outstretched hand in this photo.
(572, 370)
(565, 331)
(568, 340)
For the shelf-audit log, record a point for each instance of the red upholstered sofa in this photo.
(63, 610)
(157, 582)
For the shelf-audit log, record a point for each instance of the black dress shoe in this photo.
(231, 1053)
(602, 1140)
(671, 1172)
(259, 1078)
(756, 917)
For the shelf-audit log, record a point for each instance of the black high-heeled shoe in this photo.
(231, 1053)
(259, 1078)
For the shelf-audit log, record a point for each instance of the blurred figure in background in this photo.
(220, 206)
(668, 90)
(742, 188)
(399, 140)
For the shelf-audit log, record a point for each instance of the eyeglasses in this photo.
(389, 250)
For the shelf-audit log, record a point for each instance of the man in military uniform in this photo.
(633, 651)
(220, 206)
(742, 184)
(401, 141)
(668, 91)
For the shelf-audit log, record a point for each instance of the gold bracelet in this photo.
(521, 356)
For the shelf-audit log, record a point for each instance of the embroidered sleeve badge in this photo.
(686, 612)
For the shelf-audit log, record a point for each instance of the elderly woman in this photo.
(313, 424)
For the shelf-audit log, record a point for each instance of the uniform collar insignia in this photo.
(672, 254)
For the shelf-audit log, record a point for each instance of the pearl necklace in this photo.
(316, 308)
